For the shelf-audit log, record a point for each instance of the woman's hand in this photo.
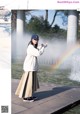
(44, 45)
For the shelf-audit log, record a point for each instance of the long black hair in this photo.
(36, 45)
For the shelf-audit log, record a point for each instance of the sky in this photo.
(58, 19)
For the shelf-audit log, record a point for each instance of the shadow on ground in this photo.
(49, 93)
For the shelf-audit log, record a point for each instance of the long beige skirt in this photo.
(27, 85)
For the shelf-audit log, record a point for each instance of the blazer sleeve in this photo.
(34, 52)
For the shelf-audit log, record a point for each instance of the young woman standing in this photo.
(29, 81)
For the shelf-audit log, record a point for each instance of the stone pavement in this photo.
(51, 98)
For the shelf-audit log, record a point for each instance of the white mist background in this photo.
(52, 52)
(56, 49)
(75, 66)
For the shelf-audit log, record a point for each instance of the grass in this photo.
(48, 75)
(16, 70)
(74, 110)
(55, 76)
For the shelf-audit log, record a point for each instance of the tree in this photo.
(54, 18)
(36, 24)
(46, 15)
(64, 16)
(63, 13)
(39, 24)
(56, 28)
(13, 20)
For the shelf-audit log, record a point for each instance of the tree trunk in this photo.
(13, 20)
(54, 18)
(46, 15)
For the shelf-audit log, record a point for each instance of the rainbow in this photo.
(66, 55)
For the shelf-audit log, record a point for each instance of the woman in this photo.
(29, 81)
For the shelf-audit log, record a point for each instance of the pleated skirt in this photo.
(27, 85)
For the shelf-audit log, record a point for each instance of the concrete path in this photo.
(51, 98)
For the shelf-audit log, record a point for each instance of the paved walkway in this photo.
(50, 99)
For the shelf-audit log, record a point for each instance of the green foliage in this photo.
(38, 25)
(42, 27)
(56, 28)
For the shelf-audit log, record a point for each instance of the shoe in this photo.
(29, 99)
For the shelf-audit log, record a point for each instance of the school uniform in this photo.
(29, 81)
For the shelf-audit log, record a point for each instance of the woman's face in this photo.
(34, 41)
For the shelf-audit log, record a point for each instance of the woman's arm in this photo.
(35, 52)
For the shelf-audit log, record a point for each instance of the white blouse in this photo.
(30, 62)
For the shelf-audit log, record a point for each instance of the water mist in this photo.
(75, 69)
